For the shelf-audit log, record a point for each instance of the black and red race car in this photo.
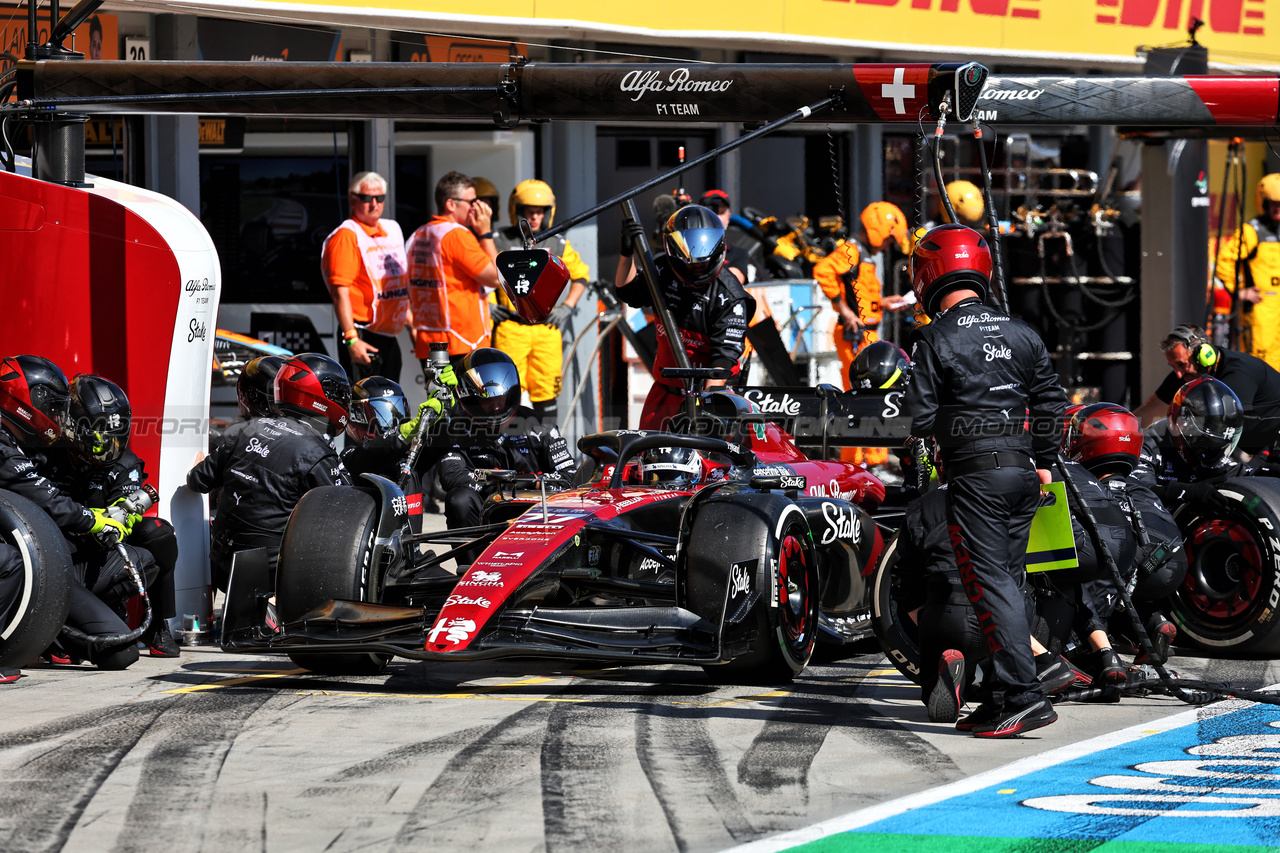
(735, 573)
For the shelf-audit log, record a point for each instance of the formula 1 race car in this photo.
(733, 573)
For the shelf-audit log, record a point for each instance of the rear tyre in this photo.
(327, 554)
(1229, 600)
(785, 629)
(42, 597)
(895, 631)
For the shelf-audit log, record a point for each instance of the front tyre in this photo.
(327, 554)
(895, 630)
(1229, 600)
(782, 622)
(39, 589)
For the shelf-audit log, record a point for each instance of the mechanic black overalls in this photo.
(712, 321)
(1156, 582)
(104, 582)
(263, 466)
(526, 446)
(978, 375)
(930, 580)
(101, 486)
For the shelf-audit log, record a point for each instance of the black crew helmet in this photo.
(255, 389)
(694, 241)
(489, 388)
(98, 420)
(1206, 421)
(378, 408)
(33, 399)
(880, 366)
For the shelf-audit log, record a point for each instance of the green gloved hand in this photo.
(433, 406)
(107, 530)
(447, 377)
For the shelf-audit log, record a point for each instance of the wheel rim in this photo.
(796, 620)
(1221, 592)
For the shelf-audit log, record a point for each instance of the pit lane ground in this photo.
(219, 752)
(214, 752)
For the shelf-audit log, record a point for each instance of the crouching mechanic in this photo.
(380, 431)
(34, 398)
(481, 434)
(707, 303)
(97, 468)
(983, 387)
(1185, 457)
(1106, 440)
(264, 466)
(537, 348)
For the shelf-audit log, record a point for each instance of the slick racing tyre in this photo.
(327, 554)
(35, 596)
(767, 539)
(895, 631)
(1230, 599)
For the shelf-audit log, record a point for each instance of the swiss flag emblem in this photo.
(895, 92)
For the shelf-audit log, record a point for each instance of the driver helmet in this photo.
(1206, 421)
(313, 388)
(33, 399)
(880, 366)
(489, 388)
(966, 198)
(948, 258)
(532, 193)
(694, 241)
(378, 408)
(670, 467)
(98, 420)
(488, 193)
(1105, 439)
(255, 389)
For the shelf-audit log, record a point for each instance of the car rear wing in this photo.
(825, 417)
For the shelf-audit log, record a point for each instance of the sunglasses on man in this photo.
(367, 198)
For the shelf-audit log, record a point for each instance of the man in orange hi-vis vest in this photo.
(451, 271)
(848, 278)
(365, 269)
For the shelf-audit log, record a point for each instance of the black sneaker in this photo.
(1112, 670)
(945, 699)
(981, 716)
(1016, 721)
(1054, 673)
(161, 643)
(1162, 633)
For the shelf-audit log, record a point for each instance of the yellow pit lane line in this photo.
(474, 693)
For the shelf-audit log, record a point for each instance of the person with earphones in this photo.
(1257, 384)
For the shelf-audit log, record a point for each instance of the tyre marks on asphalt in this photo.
(489, 784)
(685, 772)
(187, 749)
(43, 797)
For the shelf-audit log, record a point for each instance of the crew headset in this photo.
(1202, 352)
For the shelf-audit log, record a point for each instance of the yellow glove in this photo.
(431, 409)
(107, 530)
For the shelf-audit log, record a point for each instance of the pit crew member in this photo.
(264, 466)
(983, 387)
(708, 304)
(1258, 245)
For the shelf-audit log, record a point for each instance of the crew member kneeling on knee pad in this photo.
(34, 401)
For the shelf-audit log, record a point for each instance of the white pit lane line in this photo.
(1031, 764)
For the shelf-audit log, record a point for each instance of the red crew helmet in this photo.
(948, 258)
(314, 388)
(34, 396)
(1105, 438)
